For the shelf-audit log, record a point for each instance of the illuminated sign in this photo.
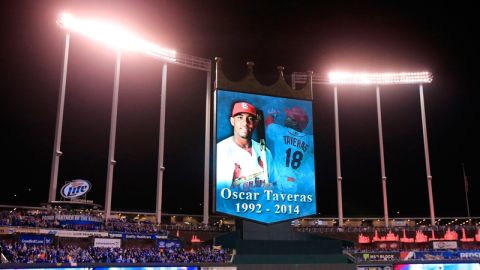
(436, 266)
(265, 169)
(445, 244)
(34, 239)
(75, 189)
(384, 256)
(107, 243)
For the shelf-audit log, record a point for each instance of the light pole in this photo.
(377, 79)
(206, 168)
(161, 142)
(338, 160)
(122, 40)
(427, 157)
(59, 124)
(382, 158)
(465, 182)
(113, 132)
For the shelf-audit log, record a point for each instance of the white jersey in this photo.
(238, 168)
(293, 152)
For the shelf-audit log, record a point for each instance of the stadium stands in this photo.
(45, 235)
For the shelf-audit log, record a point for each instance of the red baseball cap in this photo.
(298, 115)
(243, 107)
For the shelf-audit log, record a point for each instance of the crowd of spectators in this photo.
(198, 227)
(47, 219)
(37, 219)
(372, 229)
(124, 226)
(24, 219)
(22, 253)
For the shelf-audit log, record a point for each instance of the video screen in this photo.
(265, 166)
(150, 268)
(117, 268)
(438, 266)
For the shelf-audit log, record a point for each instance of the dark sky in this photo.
(300, 35)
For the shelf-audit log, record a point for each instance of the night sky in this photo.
(300, 35)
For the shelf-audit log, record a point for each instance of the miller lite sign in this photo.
(75, 188)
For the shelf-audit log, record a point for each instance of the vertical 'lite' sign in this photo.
(75, 189)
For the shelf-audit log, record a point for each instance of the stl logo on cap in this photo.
(243, 107)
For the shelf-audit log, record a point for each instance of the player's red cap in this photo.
(298, 115)
(243, 107)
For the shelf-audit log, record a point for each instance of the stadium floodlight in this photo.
(114, 36)
(122, 40)
(388, 78)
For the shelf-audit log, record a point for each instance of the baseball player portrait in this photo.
(265, 169)
(242, 162)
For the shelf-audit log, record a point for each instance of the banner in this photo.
(469, 255)
(440, 255)
(169, 244)
(407, 255)
(387, 245)
(437, 266)
(435, 255)
(398, 223)
(6, 230)
(107, 243)
(136, 236)
(374, 267)
(384, 256)
(75, 219)
(445, 245)
(27, 230)
(79, 234)
(218, 268)
(35, 239)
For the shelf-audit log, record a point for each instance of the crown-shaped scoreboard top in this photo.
(250, 84)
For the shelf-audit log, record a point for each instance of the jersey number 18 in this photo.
(294, 159)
